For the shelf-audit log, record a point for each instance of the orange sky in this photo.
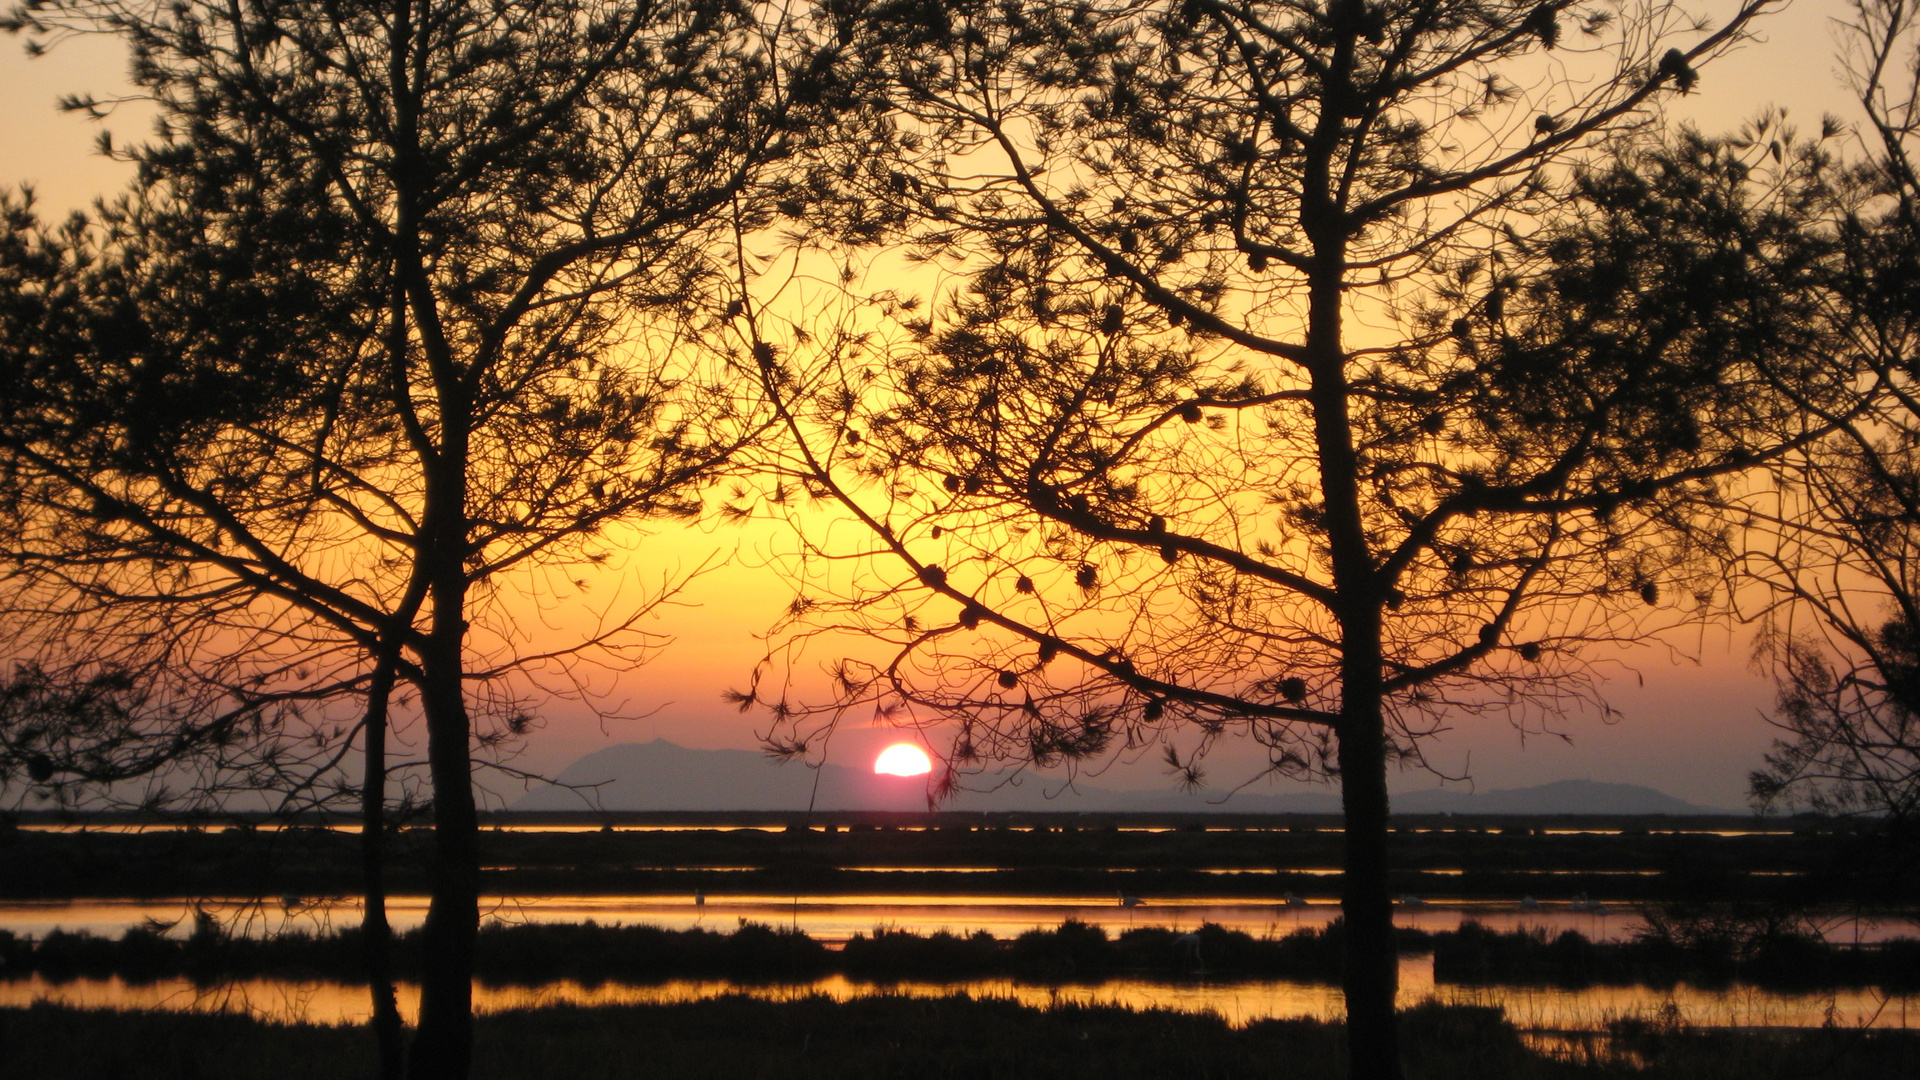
(1693, 730)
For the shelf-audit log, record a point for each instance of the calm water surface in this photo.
(1239, 1003)
(834, 919)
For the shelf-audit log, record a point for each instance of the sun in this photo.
(902, 759)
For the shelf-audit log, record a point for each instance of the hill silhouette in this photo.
(660, 775)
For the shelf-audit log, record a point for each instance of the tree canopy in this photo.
(1833, 556)
(1320, 372)
(390, 316)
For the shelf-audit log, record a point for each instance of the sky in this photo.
(1689, 711)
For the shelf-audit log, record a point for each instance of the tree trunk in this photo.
(443, 1042)
(1372, 973)
(375, 933)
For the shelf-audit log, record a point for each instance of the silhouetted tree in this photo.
(1837, 552)
(155, 375)
(1315, 376)
(494, 219)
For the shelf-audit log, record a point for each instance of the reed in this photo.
(528, 954)
(816, 1038)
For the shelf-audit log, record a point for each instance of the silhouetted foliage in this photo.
(387, 324)
(1837, 554)
(1672, 947)
(1707, 945)
(1319, 373)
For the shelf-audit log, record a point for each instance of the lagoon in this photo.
(833, 919)
(1533, 1009)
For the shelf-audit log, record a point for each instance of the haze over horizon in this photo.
(660, 775)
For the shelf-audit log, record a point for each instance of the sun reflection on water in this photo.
(1239, 1003)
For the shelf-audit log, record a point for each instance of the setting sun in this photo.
(902, 759)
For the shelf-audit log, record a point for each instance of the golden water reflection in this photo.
(831, 919)
(834, 919)
(1240, 1003)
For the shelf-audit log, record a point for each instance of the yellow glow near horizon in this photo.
(903, 759)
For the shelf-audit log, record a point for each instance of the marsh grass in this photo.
(815, 1038)
(1789, 962)
(524, 954)
(535, 953)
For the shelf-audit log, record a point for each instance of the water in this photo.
(836, 918)
(561, 827)
(1240, 1003)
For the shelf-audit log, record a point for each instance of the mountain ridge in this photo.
(663, 776)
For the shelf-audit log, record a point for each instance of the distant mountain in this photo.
(660, 775)
(1559, 797)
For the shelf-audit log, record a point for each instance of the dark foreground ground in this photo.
(738, 1038)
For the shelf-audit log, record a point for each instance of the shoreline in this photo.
(531, 954)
